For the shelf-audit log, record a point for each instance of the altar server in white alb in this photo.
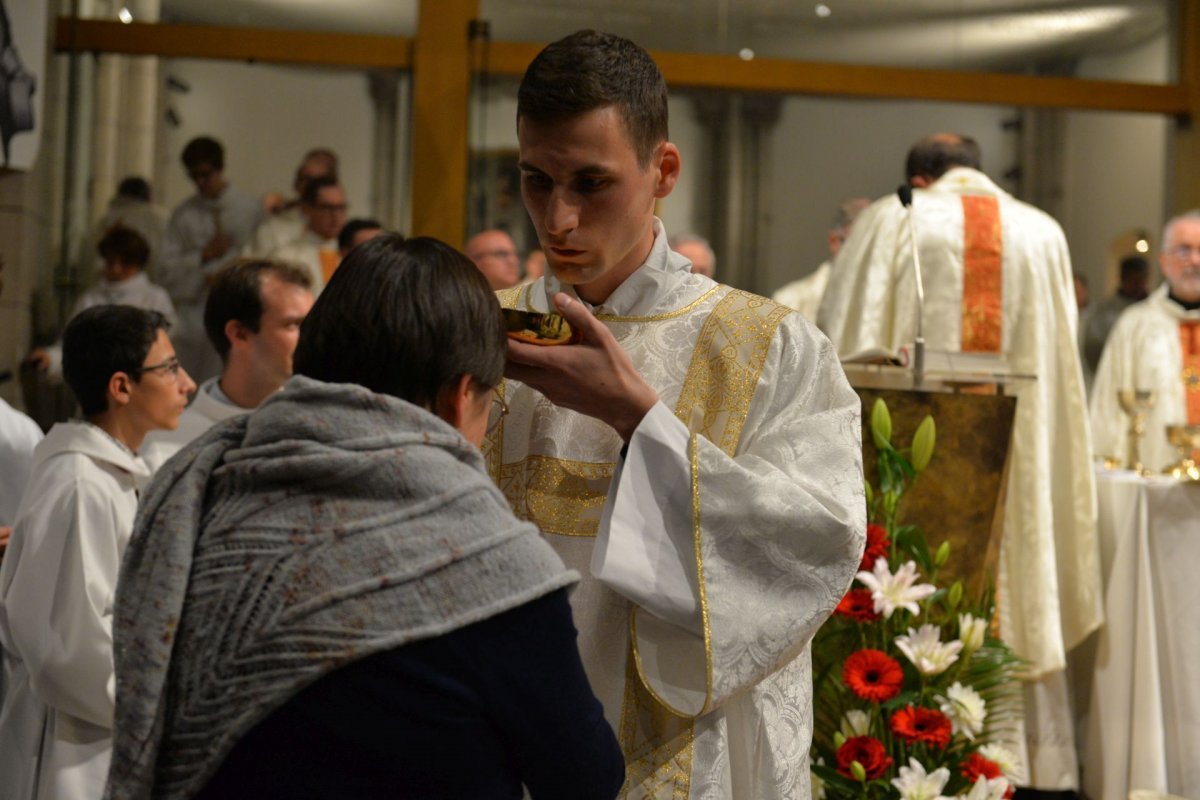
(1155, 345)
(59, 575)
(997, 279)
(252, 316)
(696, 457)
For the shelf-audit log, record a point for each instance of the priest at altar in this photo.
(697, 457)
(997, 279)
(1155, 345)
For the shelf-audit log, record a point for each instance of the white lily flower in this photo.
(966, 710)
(818, 785)
(856, 723)
(895, 591)
(925, 649)
(915, 784)
(987, 789)
(970, 631)
(1006, 760)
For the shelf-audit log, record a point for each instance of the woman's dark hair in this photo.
(101, 341)
(404, 317)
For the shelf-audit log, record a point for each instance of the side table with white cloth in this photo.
(1142, 733)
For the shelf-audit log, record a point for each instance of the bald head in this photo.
(495, 254)
(931, 157)
(697, 250)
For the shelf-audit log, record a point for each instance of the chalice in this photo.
(1185, 439)
(1136, 403)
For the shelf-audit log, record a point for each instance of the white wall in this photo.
(826, 150)
(1115, 167)
(267, 117)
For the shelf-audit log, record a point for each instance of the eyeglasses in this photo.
(498, 411)
(1184, 252)
(171, 366)
(505, 254)
(331, 208)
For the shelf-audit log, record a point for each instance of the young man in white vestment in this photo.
(323, 205)
(1155, 345)
(805, 294)
(206, 232)
(696, 456)
(59, 575)
(997, 279)
(252, 316)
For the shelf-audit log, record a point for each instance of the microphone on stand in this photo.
(906, 197)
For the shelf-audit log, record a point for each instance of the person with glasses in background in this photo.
(329, 598)
(495, 254)
(252, 316)
(323, 204)
(1155, 345)
(59, 575)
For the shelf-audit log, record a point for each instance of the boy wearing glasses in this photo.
(323, 204)
(1155, 345)
(59, 574)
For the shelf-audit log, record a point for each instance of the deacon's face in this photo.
(1180, 260)
(285, 305)
(328, 214)
(590, 201)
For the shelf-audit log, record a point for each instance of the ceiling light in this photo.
(746, 54)
(823, 10)
(1142, 246)
(124, 15)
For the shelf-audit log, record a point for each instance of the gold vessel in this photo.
(1136, 403)
(1185, 439)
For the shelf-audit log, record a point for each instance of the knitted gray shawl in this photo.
(330, 524)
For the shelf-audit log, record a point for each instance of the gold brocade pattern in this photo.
(560, 496)
(726, 363)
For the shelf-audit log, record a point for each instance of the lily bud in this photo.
(942, 554)
(954, 596)
(870, 493)
(857, 770)
(922, 446)
(839, 739)
(881, 424)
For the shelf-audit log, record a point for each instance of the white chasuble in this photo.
(997, 278)
(717, 546)
(1146, 350)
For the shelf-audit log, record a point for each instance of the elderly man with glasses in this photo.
(59, 574)
(495, 253)
(1155, 345)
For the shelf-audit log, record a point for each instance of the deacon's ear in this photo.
(669, 165)
(120, 389)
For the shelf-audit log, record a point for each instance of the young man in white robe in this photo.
(1155, 345)
(696, 456)
(206, 232)
(59, 574)
(252, 316)
(997, 279)
(323, 205)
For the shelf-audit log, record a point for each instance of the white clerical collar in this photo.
(662, 272)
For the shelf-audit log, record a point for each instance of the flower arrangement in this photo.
(914, 697)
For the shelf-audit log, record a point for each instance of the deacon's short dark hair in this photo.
(203, 151)
(135, 187)
(1134, 265)
(124, 245)
(934, 155)
(236, 294)
(101, 341)
(589, 70)
(404, 317)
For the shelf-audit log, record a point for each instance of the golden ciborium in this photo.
(1185, 439)
(1136, 403)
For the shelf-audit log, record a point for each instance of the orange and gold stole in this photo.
(329, 263)
(982, 318)
(1189, 345)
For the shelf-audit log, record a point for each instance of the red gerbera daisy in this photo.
(878, 545)
(873, 675)
(857, 605)
(975, 766)
(922, 725)
(867, 751)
